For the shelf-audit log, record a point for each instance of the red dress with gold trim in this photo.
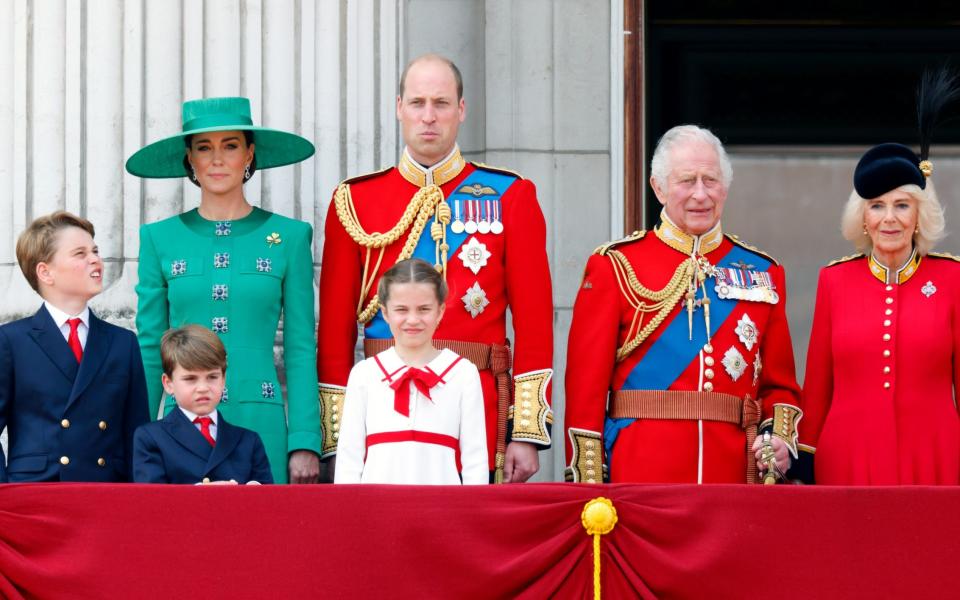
(882, 369)
(495, 259)
(639, 285)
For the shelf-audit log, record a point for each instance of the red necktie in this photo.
(205, 429)
(74, 340)
(424, 380)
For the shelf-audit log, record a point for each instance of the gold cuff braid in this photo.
(785, 420)
(532, 414)
(586, 464)
(331, 412)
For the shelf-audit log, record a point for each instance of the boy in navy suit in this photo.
(72, 388)
(194, 443)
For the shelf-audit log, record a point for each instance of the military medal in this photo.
(457, 225)
(744, 284)
(484, 226)
(496, 227)
(734, 363)
(747, 330)
(928, 289)
(475, 300)
(471, 225)
(474, 255)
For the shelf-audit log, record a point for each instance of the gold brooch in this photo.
(273, 238)
(926, 167)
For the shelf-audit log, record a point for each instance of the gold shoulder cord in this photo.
(424, 204)
(645, 300)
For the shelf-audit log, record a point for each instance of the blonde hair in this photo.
(38, 242)
(930, 219)
(412, 270)
(192, 348)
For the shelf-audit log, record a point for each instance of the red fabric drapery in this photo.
(526, 541)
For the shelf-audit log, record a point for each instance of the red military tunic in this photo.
(680, 381)
(496, 259)
(883, 367)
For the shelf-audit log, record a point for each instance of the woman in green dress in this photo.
(234, 268)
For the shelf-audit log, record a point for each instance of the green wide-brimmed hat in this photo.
(164, 158)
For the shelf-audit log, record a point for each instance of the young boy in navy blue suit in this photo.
(194, 443)
(72, 388)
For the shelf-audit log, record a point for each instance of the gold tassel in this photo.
(598, 518)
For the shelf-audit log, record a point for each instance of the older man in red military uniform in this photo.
(484, 230)
(685, 329)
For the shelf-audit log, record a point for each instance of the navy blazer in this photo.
(68, 421)
(173, 450)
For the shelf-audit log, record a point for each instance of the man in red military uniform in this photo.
(685, 329)
(484, 229)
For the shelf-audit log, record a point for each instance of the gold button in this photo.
(335, 427)
(102, 425)
(888, 312)
(101, 462)
(708, 348)
(64, 460)
(524, 394)
(525, 412)
(335, 435)
(708, 387)
(205, 480)
(334, 409)
(886, 354)
(591, 480)
(889, 288)
(590, 463)
(526, 385)
(524, 423)
(589, 444)
(591, 473)
(65, 423)
(889, 300)
(334, 418)
(708, 361)
(886, 323)
(525, 404)
(886, 337)
(886, 370)
(590, 453)
(708, 373)
(886, 385)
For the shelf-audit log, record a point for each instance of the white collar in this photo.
(60, 317)
(191, 416)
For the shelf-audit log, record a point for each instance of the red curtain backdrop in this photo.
(520, 541)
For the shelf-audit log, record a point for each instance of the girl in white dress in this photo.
(413, 414)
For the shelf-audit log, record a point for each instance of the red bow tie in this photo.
(424, 380)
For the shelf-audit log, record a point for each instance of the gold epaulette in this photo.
(370, 175)
(753, 249)
(485, 167)
(636, 235)
(946, 255)
(844, 259)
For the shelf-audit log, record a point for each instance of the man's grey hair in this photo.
(660, 165)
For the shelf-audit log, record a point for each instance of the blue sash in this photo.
(673, 351)
(377, 328)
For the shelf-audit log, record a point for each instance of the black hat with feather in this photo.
(888, 166)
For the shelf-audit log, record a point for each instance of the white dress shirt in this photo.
(213, 417)
(61, 318)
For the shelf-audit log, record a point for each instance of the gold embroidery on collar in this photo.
(901, 275)
(682, 241)
(439, 174)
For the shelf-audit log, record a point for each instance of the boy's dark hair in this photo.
(412, 270)
(192, 348)
(38, 242)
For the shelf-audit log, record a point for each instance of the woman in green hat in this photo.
(233, 267)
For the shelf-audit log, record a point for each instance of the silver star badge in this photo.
(928, 289)
(475, 300)
(747, 330)
(734, 363)
(474, 255)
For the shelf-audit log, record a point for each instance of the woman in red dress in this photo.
(884, 357)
